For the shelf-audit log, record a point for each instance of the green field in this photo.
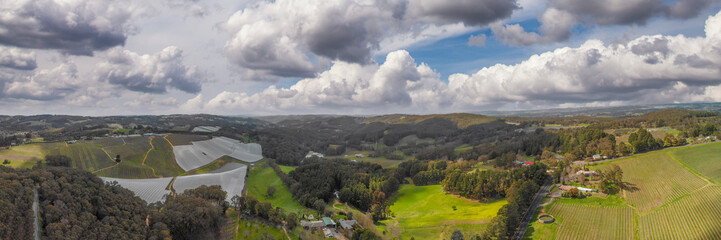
(259, 179)
(130, 149)
(162, 160)
(705, 159)
(286, 169)
(185, 139)
(426, 212)
(127, 169)
(385, 163)
(85, 155)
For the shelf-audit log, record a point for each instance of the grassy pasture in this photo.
(426, 212)
(259, 179)
(286, 169)
(659, 179)
(384, 162)
(705, 159)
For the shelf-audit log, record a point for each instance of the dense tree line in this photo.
(16, 199)
(488, 185)
(643, 141)
(519, 196)
(250, 206)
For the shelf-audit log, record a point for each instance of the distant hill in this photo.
(617, 112)
(462, 120)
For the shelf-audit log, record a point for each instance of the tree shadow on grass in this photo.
(629, 187)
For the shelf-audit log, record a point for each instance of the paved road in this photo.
(532, 210)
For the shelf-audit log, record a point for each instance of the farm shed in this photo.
(312, 224)
(328, 222)
(151, 190)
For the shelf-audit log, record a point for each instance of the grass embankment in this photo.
(286, 169)
(260, 178)
(426, 212)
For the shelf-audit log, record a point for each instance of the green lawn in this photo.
(426, 212)
(286, 169)
(705, 159)
(259, 179)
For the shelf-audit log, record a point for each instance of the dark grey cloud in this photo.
(155, 73)
(610, 12)
(685, 9)
(470, 12)
(17, 59)
(75, 27)
(693, 61)
(658, 45)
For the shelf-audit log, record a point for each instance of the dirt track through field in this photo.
(150, 140)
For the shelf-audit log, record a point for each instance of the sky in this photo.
(244, 57)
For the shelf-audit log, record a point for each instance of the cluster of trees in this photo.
(423, 172)
(643, 141)
(191, 215)
(587, 141)
(487, 185)
(611, 179)
(519, 196)
(58, 160)
(250, 206)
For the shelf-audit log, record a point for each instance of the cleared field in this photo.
(150, 190)
(385, 163)
(426, 212)
(127, 169)
(705, 159)
(693, 217)
(204, 152)
(658, 179)
(592, 222)
(185, 139)
(228, 167)
(85, 155)
(25, 152)
(133, 149)
(260, 179)
(232, 181)
(161, 158)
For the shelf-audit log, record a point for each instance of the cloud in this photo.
(74, 27)
(478, 40)
(593, 74)
(44, 85)
(17, 59)
(562, 15)
(156, 73)
(555, 26)
(295, 39)
(190, 7)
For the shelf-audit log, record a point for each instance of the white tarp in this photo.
(232, 181)
(201, 153)
(151, 190)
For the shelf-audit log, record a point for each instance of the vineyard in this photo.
(185, 139)
(693, 217)
(591, 222)
(704, 159)
(130, 149)
(85, 155)
(161, 158)
(656, 179)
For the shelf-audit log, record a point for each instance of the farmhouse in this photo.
(587, 173)
(529, 163)
(311, 154)
(581, 189)
(598, 157)
(359, 155)
(347, 224)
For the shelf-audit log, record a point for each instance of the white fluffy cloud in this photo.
(44, 85)
(75, 27)
(683, 69)
(17, 59)
(156, 73)
(288, 38)
(562, 15)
